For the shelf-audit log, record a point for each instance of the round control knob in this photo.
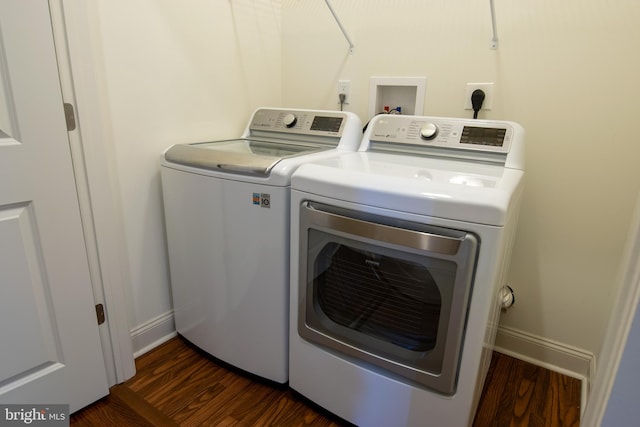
(290, 120)
(429, 131)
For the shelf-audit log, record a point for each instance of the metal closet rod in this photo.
(344, 32)
(494, 27)
(494, 37)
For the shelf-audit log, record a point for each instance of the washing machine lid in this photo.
(443, 188)
(244, 155)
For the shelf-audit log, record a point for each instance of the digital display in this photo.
(326, 124)
(491, 137)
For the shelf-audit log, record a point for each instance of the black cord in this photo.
(477, 98)
(342, 97)
(366, 125)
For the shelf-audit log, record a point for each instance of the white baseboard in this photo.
(153, 333)
(548, 354)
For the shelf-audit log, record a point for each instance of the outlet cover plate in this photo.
(488, 95)
(344, 86)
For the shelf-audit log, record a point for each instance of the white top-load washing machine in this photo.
(227, 221)
(398, 254)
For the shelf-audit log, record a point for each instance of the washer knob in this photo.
(428, 131)
(290, 120)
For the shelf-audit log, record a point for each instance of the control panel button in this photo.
(429, 131)
(289, 120)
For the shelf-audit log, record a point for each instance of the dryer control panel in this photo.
(449, 133)
(482, 140)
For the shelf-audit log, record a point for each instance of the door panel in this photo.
(26, 301)
(50, 350)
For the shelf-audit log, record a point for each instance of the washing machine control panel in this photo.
(455, 134)
(320, 123)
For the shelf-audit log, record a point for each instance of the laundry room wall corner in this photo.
(153, 332)
(175, 73)
(559, 357)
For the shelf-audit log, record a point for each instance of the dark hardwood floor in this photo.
(177, 385)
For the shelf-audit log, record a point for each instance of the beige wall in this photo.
(177, 71)
(569, 72)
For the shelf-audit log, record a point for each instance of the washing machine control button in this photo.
(429, 131)
(290, 120)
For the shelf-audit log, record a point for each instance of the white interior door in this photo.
(50, 348)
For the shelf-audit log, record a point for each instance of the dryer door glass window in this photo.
(385, 297)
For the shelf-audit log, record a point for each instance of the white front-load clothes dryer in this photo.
(227, 222)
(398, 253)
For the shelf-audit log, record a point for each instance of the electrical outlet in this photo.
(344, 86)
(488, 95)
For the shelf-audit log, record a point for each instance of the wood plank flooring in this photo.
(178, 385)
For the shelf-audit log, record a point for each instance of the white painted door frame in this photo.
(623, 311)
(78, 52)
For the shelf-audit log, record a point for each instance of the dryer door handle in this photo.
(385, 233)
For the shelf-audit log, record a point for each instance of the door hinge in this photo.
(100, 313)
(69, 116)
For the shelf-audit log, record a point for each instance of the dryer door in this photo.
(390, 293)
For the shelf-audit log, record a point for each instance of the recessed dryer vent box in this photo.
(404, 92)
